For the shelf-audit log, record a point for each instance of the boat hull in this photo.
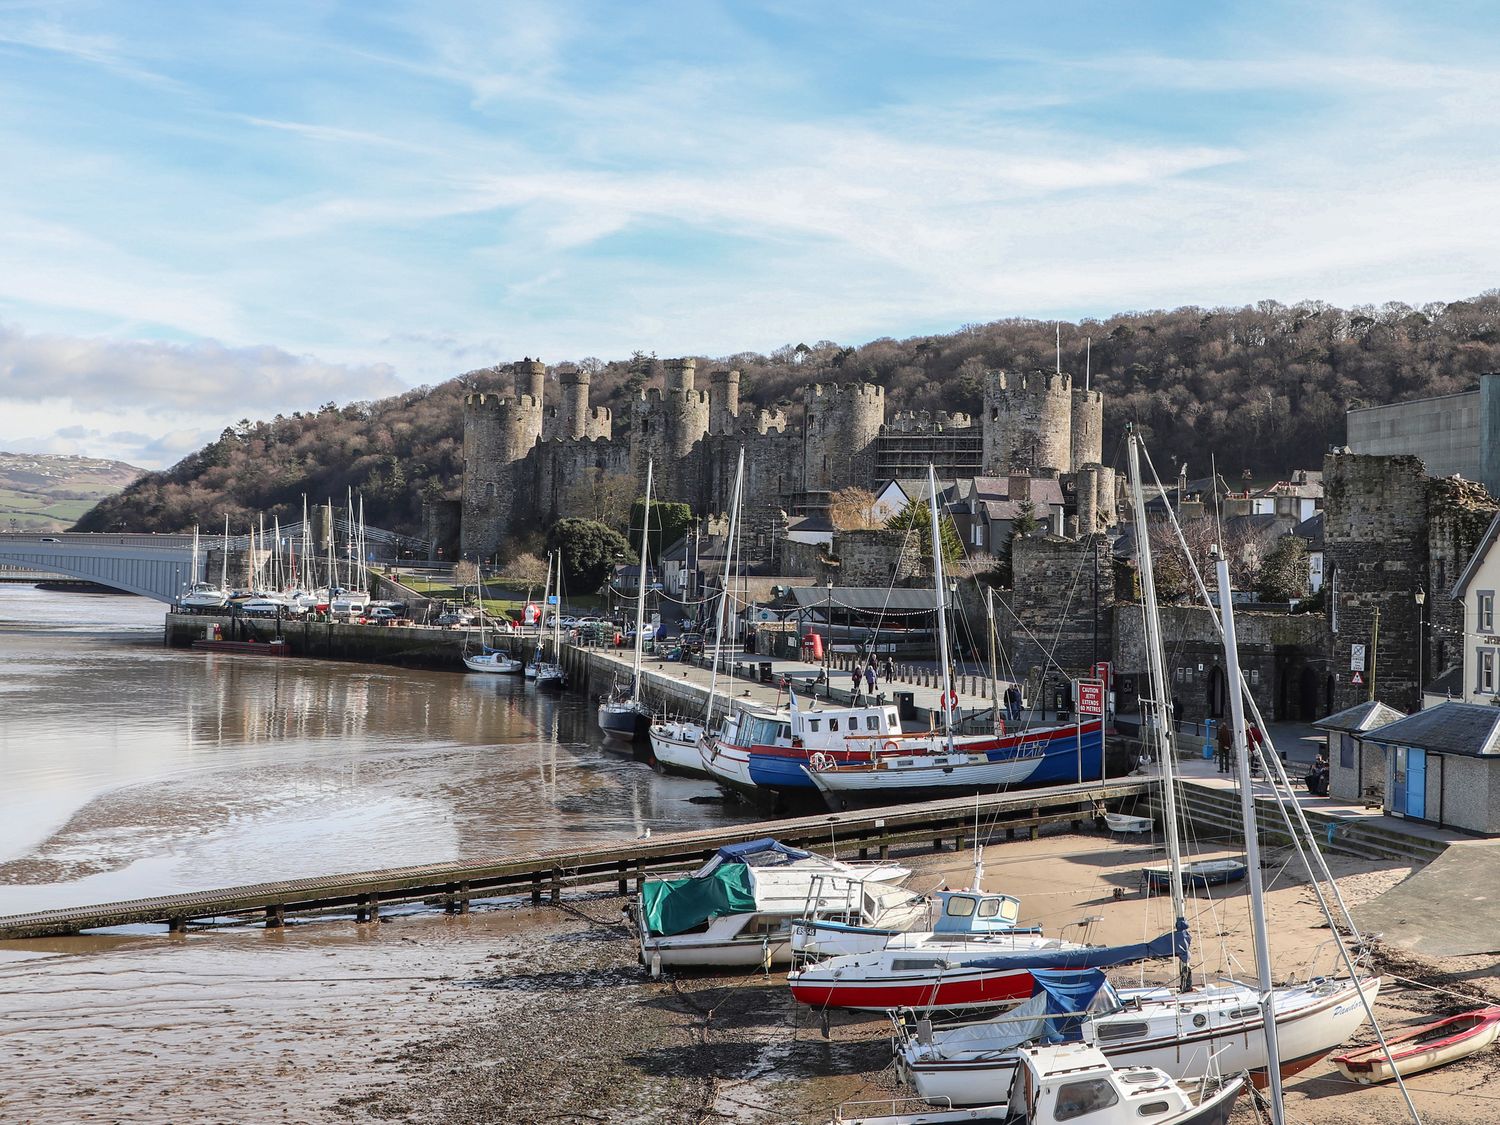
(1370, 1066)
(624, 722)
(1304, 1035)
(674, 747)
(952, 991)
(493, 664)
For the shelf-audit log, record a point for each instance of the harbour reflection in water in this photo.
(134, 770)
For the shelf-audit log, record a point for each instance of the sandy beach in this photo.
(543, 1014)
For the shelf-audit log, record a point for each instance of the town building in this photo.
(1457, 433)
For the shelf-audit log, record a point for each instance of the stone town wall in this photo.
(1458, 512)
(1053, 610)
(876, 558)
(1282, 655)
(557, 466)
(1375, 526)
(1028, 422)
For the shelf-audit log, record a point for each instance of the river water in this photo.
(131, 769)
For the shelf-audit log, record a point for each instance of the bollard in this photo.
(275, 916)
(556, 886)
(463, 897)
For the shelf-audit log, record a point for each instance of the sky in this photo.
(227, 210)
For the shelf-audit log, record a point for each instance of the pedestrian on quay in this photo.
(858, 679)
(1224, 740)
(888, 673)
(871, 675)
(1013, 703)
(1256, 742)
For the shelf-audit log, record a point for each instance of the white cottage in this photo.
(1476, 589)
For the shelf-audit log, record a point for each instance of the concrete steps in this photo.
(1216, 811)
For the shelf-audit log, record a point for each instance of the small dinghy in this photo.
(1121, 822)
(1422, 1048)
(1203, 873)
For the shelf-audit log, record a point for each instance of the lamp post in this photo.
(1421, 599)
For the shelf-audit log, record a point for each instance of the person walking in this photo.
(1224, 740)
(858, 679)
(1256, 745)
(1013, 703)
(871, 676)
(888, 672)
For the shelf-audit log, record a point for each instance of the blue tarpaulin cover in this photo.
(1068, 998)
(1160, 948)
(764, 852)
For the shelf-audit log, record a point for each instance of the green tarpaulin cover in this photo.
(674, 906)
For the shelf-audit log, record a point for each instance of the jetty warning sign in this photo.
(1090, 696)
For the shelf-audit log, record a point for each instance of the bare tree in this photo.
(603, 497)
(853, 509)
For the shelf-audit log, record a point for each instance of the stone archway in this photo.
(1216, 696)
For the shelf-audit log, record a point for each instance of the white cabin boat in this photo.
(738, 908)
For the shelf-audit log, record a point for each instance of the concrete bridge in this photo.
(153, 566)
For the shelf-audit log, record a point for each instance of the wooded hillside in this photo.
(1262, 387)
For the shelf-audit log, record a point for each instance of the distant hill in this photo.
(49, 492)
(1260, 387)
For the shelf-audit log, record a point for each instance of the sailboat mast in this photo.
(989, 614)
(734, 520)
(640, 593)
(224, 556)
(942, 609)
(1160, 713)
(1252, 845)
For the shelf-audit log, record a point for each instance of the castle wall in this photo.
(498, 436)
(666, 427)
(723, 401)
(1057, 609)
(1028, 422)
(839, 434)
(556, 467)
(1458, 512)
(1088, 429)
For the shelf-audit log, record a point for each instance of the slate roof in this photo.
(869, 598)
(1359, 718)
(1311, 529)
(1471, 729)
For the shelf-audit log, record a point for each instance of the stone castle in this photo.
(522, 455)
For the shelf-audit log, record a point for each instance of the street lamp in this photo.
(1421, 599)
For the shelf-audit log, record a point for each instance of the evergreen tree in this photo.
(917, 519)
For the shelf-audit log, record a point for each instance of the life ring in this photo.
(891, 746)
(821, 762)
(951, 699)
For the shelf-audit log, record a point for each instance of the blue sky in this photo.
(212, 211)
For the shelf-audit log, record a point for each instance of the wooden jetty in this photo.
(452, 886)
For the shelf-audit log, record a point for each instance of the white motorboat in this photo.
(674, 746)
(951, 916)
(623, 715)
(203, 595)
(1076, 1082)
(739, 907)
(1123, 822)
(492, 661)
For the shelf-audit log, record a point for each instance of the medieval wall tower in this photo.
(838, 436)
(666, 426)
(723, 401)
(499, 434)
(1088, 429)
(1028, 422)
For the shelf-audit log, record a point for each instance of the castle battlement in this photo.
(677, 394)
(501, 404)
(1032, 382)
(832, 391)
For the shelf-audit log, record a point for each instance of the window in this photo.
(1153, 1109)
(813, 725)
(1486, 679)
(960, 907)
(1105, 1030)
(894, 719)
(872, 723)
(910, 964)
(1346, 751)
(1077, 1099)
(1485, 619)
(833, 725)
(989, 908)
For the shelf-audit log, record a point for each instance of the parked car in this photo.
(450, 619)
(382, 613)
(691, 643)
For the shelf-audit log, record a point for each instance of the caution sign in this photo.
(1357, 679)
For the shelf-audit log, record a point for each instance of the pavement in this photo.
(1449, 908)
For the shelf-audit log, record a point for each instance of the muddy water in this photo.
(133, 770)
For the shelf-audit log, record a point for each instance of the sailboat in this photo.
(678, 744)
(862, 755)
(549, 673)
(1184, 1031)
(202, 594)
(624, 716)
(488, 659)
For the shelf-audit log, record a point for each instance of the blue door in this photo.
(1416, 783)
(1397, 802)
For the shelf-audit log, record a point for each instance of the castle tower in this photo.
(499, 434)
(531, 377)
(838, 439)
(723, 401)
(1028, 422)
(1088, 429)
(667, 426)
(573, 418)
